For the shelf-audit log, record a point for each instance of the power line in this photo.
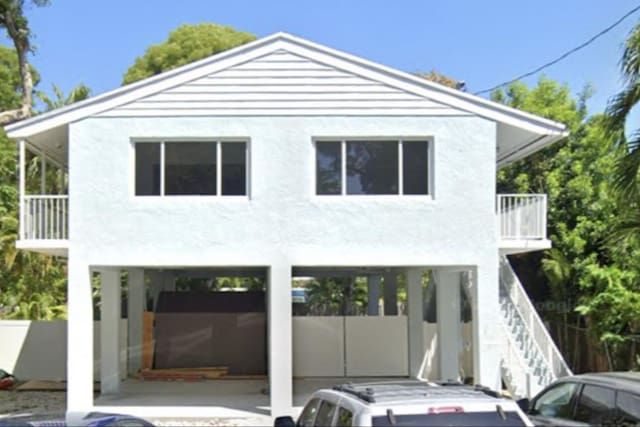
(564, 55)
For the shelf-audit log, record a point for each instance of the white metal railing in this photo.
(522, 216)
(45, 217)
(532, 321)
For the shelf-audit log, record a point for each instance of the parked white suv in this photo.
(407, 403)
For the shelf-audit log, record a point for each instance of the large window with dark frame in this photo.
(196, 168)
(372, 167)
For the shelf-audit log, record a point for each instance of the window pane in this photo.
(345, 418)
(372, 167)
(234, 168)
(556, 402)
(325, 414)
(415, 167)
(308, 414)
(596, 405)
(190, 168)
(328, 167)
(629, 407)
(147, 169)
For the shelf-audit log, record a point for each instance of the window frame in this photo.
(218, 141)
(398, 140)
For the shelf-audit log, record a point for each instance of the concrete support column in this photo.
(390, 294)
(280, 339)
(156, 285)
(486, 325)
(110, 331)
(415, 322)
(135, 313)
(449, 323)
(79, 335)
(373, 295)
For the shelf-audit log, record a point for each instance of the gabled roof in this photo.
(532, 131)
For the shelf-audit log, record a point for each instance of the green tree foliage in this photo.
(78, 93)
(620, 106)
(32, 286)
(582, 270)
(186, 44)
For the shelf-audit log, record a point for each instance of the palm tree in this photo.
(627, 181)
(78, 93)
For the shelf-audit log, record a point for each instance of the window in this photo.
(596, 405)
(200, 168)
(628, 408)
(556, 402)
(325, 414)
(308, 414)
(384, 167)
(345, 418)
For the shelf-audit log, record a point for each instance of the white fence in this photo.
(37, 350)
(522, 216)
(362, 346)
(45, 217)
(323, 346)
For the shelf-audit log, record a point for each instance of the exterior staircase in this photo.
(530, 358)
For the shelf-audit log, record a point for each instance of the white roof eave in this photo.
(413, 84)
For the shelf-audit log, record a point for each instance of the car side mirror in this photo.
(284, 422)
(524, 404)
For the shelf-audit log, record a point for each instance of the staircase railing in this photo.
(532, 321)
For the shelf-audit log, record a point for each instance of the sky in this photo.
(483, 43)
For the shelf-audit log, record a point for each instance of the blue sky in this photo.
(481, 42)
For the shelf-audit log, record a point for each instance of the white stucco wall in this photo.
(282, 218)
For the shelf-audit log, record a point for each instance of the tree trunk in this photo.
(20, 40)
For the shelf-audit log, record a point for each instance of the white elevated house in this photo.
(285, 158)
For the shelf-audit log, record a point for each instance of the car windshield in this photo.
(479, 419)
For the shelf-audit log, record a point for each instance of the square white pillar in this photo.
(487, 332)
(449, 323)
(280, 340)
(110, 331)
(373, 295)
(415, 322)
(79, 336)
(135, 312)
(390, 294)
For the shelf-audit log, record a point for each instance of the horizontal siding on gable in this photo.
(283, 84)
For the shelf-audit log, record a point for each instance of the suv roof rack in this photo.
(412, 389)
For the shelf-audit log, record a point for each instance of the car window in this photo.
(308, 414)
(596, 405)
(628, 407)
(556, 402)
(345, 418)
(325, 414)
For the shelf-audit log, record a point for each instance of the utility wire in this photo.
(564, 55)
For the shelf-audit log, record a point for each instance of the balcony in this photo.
(44, 224)
(522, 222)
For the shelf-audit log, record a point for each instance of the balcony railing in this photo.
(45, 217)
(522, 216)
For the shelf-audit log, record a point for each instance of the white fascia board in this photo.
(451, 97)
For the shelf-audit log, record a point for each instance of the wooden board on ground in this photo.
(169, 376)
(206, 373)
(147, 340)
